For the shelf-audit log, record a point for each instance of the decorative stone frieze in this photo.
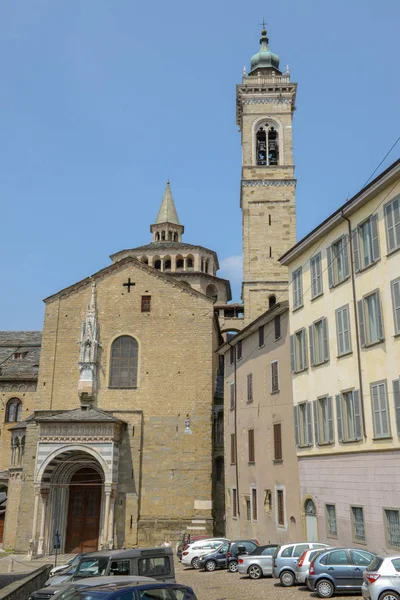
(268, 182)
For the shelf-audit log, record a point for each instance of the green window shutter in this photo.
(384, 409)
(376, 252)
(296, 425)
(292, 354)
(390, 233)
(316, 424)
(346, 329)
(304, 349)
(326, 339)
(340, 331)
(357, 414)
(330, 421)
(309, 424)
(396, 304)
(380, 318)
(319, 275)
(361, 321)
(356, 253)
(339, 417)
(376, 413)
(396, 394)
(311, 336)
(346, 267)
(330, 266)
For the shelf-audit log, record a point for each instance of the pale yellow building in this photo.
(345, 354)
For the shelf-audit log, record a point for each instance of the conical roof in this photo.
(264, 59)
(167, 212)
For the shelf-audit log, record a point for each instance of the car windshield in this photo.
(74, 561)
(91, 567)
(375, 564)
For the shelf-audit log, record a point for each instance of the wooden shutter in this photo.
(277, 441)
(318, 269)
(346, 330)
(380, 318)
(292, 354)
(361, 321)
(357, 414)
(233, 449)
(396, 304)
(311, 336)
(309, 424)
(356, 253)
(390, 232)
(274, 377)
(346, 266)
(251, 445)
(316, 422)
(376, 253)
(304, 348)
(296, 422)
(330, 265)
(396, 394)
(249, 387)
(330, 420)
(232, 396)
(339, 417)
(313, 278)
(376, 410)
(325, 336)
(340, 331)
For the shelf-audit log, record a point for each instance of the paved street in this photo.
(222, 585)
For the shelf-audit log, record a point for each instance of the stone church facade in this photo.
(115, 446)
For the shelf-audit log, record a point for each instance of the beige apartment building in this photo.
(345, 360)
(261, 475)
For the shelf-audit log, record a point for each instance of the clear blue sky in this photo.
(101, 101)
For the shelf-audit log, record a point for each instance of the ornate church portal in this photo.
(83, 520)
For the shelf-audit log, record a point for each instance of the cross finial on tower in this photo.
(263, 24)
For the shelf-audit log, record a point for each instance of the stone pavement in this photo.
(222, 585)
(19, 563)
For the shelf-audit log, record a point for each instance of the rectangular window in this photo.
(357, 520)
(331, 526)
(254, 503)
(298, 351)
(395, 285)
(380, 411)
(392, 517)
(338, 261)
(297, 281)
(233, 449)
(274, 377)
(319, 343)
(277, 326)
(146, 303)
(252, 456)
(248, 508)
(366, 250)
(396, 396)
(278, 441)
(392, 220)
(232, 355)
(303, 424)
(234, 504)
(323, 421)
(348, 414)
(280, 502)
(239, 350)
(343, 330)
(232, 388)
(250, 387)
(316, 276)
(370, 319)
(261, 336)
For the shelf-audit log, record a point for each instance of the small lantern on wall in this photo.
(187, 430)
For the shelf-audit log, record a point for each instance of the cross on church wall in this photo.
(129, 284)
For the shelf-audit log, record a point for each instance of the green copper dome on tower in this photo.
(264, 59)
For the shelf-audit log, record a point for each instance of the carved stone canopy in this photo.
(83, 426)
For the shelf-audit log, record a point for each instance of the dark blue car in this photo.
(120, 591)
(225, 557)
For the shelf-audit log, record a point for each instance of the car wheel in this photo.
(389, 596)
(210, 565)
(324, 588)
(233, 566)
(287, 578)
(255, 572)
(195, 562)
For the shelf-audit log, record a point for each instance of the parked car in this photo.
(191, 555)
(258, 563)
(48, 592)
(381, 579)
(186, 541)
(141, 591)
(65, 567)
(62, 576)
(285, 560)
(226, 556)
(338, 569)
(303, 564)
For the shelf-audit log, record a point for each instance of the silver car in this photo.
(381, 579)
(303, 564)
(286, 557)
(258, 563)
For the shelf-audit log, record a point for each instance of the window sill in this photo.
(363, 269)
(251, 463)
(249, 402)
(335, 285)
(393, 251)
(280, 337)
(296, 308)
(382, 437)
(397, 335)
(325, 443)
(331, 536)
(305, 447)
(302, 371)
(262, 346)
(116, 387)
(350, 441)
(372, 344)
(274, 392)
(344, 354)
(233, 464)
(316, 297)
(277, 461)
(320, 364)
(232, 408)
(360, 542)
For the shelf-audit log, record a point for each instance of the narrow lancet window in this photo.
(261, 147)
(273, 150)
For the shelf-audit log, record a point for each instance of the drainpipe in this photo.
(236, 437)
(353, 283)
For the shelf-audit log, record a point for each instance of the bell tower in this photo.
(265, 102)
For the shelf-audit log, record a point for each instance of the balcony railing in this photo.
(257, 79)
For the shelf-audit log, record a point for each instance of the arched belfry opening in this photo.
(267, 146)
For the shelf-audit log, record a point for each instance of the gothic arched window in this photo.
(13, 410)
(163, 235)
(124, 362)
(272, 301)
(157, 236)
(175, 237)
(267, 146)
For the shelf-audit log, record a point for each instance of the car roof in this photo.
(115, 587)
(132, 553)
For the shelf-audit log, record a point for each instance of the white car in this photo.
(191, 554)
